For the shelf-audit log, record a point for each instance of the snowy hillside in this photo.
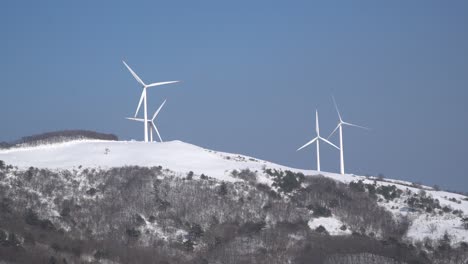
(431, 214)
(175, 155)
(181, 158)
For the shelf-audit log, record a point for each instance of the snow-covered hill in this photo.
(174, 155)
(181, 158)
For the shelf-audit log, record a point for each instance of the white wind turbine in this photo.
(151, 122)
(317, 139)
(143, 96)
(340, 126)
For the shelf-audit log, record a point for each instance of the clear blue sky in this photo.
(253, 74)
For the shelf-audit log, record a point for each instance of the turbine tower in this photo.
(143, 96)
(317, 139)
(151, 122)
(340, 125)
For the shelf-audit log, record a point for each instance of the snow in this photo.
(180, 158)
(434, 227)
(332, 225)
(177, 156)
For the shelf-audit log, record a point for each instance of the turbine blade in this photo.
(141, 101)
(349, 124)
(134, 74)
(159, 109)
(317, 129)
(326, 141)
(336, 107)
(336, 128)
(136, 119)
(157, 132)
(160, 83)
(307, 144)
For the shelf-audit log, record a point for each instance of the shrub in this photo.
(3, 236)
(371, 189)
(246, 175)
(31, 218)
(132, 232)
(65, 212)
(189, 175)
(389, 192)
(319, 210)
(320, 229)
(222, 189)
(465, 223)
(91, 192)
(2, 165)
(30, 173)
(265, 188)
(188, 245)
(6, 205)
(139, 220)
(287, 181)
(151, 219)
(446, 209)
(163, 205)
(195, 232)
(422, 193)
(423, 202)
(444, 243)
(357, 186)
(464, 245)
(333, 203)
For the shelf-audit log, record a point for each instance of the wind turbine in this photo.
(151, 122)
(143, 96)
(340, 126)
(317, 139)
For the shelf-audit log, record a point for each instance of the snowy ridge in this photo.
(181, 158)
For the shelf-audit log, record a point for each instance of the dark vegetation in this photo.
(389, 192)
(245, 174)
(465, 223)
(144, 215)
(56, 137)
(286, 181)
